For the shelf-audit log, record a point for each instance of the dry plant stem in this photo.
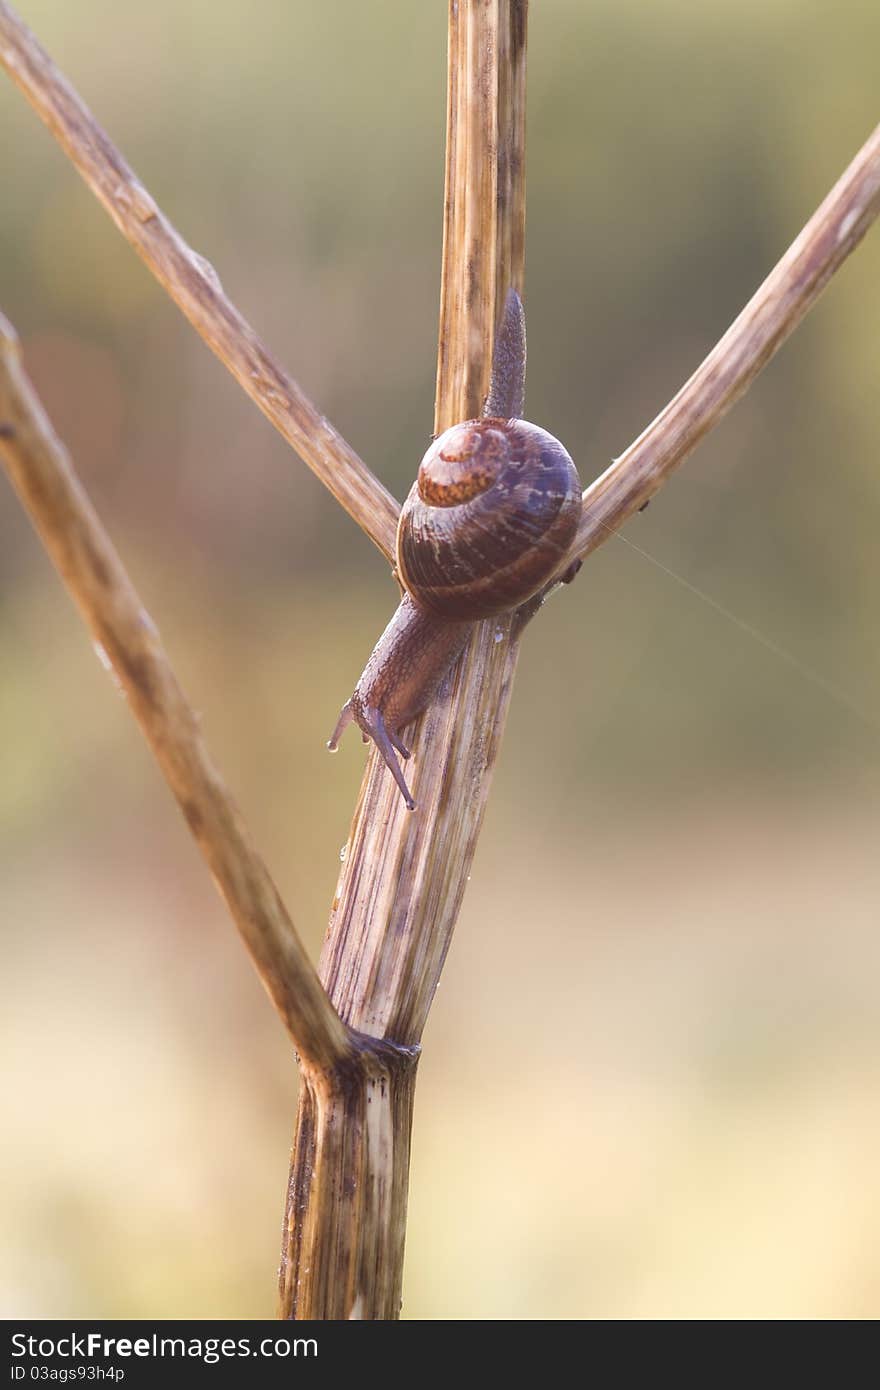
(193, 285)
(404, 875)
(774, 311)
(403, 879)
(43, 477)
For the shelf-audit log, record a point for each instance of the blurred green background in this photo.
(650, 1078)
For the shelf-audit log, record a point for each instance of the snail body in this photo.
(487, 524)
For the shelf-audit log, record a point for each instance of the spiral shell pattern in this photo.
(489, 518)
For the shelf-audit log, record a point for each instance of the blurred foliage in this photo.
(650, 1078)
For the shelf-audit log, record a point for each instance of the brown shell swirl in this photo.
(489, 518)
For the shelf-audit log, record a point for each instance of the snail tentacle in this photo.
(372, 723)
(507, 388)
(346, 715)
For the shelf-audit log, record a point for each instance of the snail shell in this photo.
(489, 519)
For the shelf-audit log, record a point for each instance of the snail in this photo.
(485, 528)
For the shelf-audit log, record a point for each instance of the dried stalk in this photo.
(404, 876)
(43, 476)
(403, 879)
(192, 283)
(774, 311)
(401, 887)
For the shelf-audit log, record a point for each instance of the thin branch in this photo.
(404, 876)
(403, 879)
(43, 476)
(193, 285)
(776, 309)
